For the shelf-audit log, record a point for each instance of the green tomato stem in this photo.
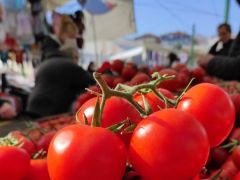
(127, 92)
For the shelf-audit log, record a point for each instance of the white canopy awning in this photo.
(115, 23)
(118, 22)
(128, 54)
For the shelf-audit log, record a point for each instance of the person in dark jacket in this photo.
(224, 67)
(58, 82)
(223, 45)
(173, 58)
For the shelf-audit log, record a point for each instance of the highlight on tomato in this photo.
(169, 144)
(14, 163)
(213, 107)
(85, 152)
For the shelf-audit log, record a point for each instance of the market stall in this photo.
(144, 112)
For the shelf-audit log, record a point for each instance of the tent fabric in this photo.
(95, 7)
(114, 24)
(50, 5)
(14, 5)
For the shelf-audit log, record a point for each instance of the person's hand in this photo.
(204, 60)
(7, 111)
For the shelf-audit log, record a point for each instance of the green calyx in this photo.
(127, 92)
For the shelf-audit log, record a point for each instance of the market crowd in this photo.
(58, 77)
(223, 59)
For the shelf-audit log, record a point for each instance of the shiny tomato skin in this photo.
(38, 170)
(128, 71)
(236, 101)
(155, 103)
(118, 80)
(229, 170)
(196, 177)
(236, 157)
(140, 78)
(45, 140)
(116, 110)
(25, 142)
(198, 73)
(117, 66)
(86, 153)
(14, 163)
(212, 106)
(235, 134)
(218, 156)
(170, 145)
(172, 84)
(237, 177)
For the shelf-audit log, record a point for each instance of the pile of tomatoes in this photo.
(174, 142)
(23, 153)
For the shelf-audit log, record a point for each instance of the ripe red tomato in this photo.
(236, 157)
(212, 106)
(236, 101)
(228, 170)
(155, 103)
(34, 134)
(117, 66)
(143, 69)
(140, 78)
(38, 170)
(129, 72)
(118, 80)
(196, 177)
(198, 73)
(183, 80)
(218, 157)
(45, 140)
(108, 79)
(82, 98)
(26, 143)
(84, 152)
(14, 163)
(179, 67)
(171, 85)
(235, 134)
(106, 66)
(237, 177)
(116, 110)
(156, 69)
(169, 144)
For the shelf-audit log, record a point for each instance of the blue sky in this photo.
(163, 16)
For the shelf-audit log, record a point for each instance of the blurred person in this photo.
(223, 45)
(224, 67)
(59, 81)
(64, 31)
(173, 58)
(91, 67)
(78, 18)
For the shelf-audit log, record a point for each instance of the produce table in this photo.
(22, 122)
(199, 139)
(10, 125)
